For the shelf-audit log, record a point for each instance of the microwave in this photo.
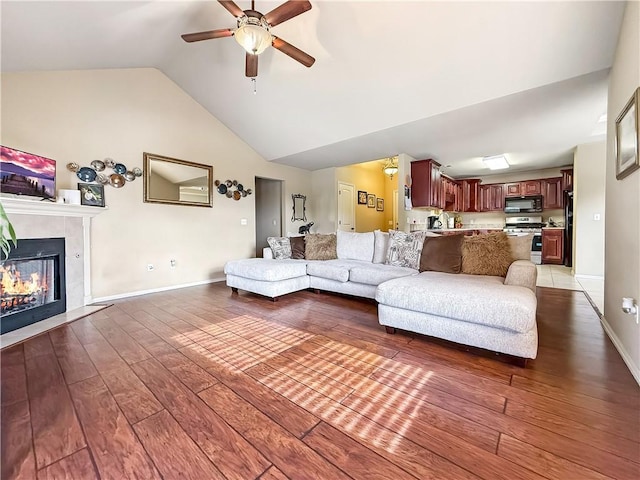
(527, 204)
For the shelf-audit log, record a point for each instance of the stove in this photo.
(523, 226)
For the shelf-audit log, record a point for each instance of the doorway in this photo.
(268, 198)
(346, 207)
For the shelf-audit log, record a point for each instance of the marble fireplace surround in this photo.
(41, 219)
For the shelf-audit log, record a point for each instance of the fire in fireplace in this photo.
(32, 283)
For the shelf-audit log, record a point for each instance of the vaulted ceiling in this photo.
(453, 81)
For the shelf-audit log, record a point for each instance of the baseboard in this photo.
(590, 277)
(155, 290)
(633, 368)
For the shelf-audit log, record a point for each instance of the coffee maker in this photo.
(433, 222)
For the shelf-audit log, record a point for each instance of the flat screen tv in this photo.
(23, 173)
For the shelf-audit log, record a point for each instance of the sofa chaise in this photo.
(490, 312)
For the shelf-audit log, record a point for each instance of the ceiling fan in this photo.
(253, 32)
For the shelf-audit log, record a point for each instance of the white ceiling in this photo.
(453, 81)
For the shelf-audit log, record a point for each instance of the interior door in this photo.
(268, 198)
(346, 207)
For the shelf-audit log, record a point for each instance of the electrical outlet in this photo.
(150, 267)
(173, 263)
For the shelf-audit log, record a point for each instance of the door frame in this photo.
(340, 182)
(283, 217)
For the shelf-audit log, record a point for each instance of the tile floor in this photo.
(558, 276)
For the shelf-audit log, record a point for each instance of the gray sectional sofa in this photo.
(488, 312)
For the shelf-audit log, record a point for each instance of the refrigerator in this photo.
(568, 227)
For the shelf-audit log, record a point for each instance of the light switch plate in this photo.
(243, 221)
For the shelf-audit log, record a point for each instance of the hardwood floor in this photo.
(202, 384)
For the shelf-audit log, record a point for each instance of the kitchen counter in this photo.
(552, 228)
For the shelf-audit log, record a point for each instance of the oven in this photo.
(527, 225)
(536, 248)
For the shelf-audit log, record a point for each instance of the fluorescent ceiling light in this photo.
(497, 162)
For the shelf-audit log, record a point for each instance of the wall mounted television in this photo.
(23, 173)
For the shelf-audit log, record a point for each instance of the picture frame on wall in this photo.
(91, 194)
(380, 204)
(627, 142)
(362, 197)
(371, 200)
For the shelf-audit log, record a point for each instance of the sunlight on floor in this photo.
(559, 276)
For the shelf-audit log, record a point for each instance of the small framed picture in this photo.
(380, 205)
(627, 143)
(371, 200)
(362, 197)
(91, 194)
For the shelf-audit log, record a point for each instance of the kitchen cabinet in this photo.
(552, 193)
(426, 184)
(470, 192)
(449, 194)
(567, 179)
(459, 206)
(552, 246)
(527, 187)
(491, 197)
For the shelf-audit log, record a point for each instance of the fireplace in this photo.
(32, 283)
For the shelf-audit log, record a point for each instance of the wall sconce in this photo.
(390, 167)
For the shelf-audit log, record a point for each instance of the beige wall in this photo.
(622, 232)
(324, 201)
(78, 116)
(589, 169)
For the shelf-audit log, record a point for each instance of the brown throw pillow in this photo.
(521, 246)
(297, 247)
(442, 254)
(487, 254)
(320, 247)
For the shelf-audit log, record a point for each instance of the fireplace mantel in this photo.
(34, 207)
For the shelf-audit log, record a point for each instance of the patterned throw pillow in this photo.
(405, 248)
(280, 246)
(320, 247)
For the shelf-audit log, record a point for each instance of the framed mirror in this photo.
(178, 182)
(299, 207)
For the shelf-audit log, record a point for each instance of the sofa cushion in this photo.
(376, 274)
(476, 299)
(355, 246)
(297, 247)
(521, 246)
(280, 246)
(404, 248)
(266, 269)
(380, 246)
(320, 246)
(442, 254)
(486, 254)
(332, 269)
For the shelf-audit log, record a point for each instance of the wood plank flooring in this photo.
(198, 383)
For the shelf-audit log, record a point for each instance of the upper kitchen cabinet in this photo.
(491, 197)
(567, 179)
(527, 187)
(471, 195)
(552, 193)
(426, 184)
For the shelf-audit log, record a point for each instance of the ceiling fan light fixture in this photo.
(253, 35)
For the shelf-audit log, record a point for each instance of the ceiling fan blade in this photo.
(287, 10)
(251, 67)
(196, 37)
(294, 52)
(231, 6)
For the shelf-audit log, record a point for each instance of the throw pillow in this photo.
(280, 246)
(521, 246)
(355, 246)
(486, 254)
(442, 254)
(297, 247)
(404, 248)
(380, 246)
(320, 247)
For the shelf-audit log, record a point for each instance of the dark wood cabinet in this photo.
(491, 197)
(552, 193)
(527, 187)
(552, 246)
(567, 179)
(470, 194)
(426, 184)
(449, 194)
(459, 207)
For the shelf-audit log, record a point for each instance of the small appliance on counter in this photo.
(434, 222)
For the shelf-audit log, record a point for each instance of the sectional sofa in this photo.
(490, 312)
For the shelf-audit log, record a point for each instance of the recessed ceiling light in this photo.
(496, 162)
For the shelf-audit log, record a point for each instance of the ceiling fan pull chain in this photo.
(255, 88)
